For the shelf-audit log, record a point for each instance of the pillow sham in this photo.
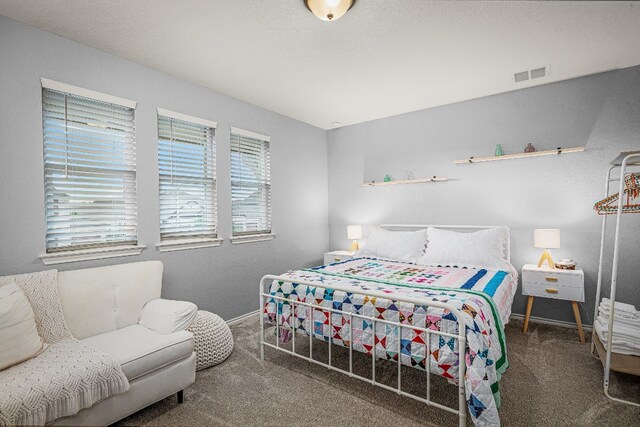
(407, 246)
(484, 248)
(19, 339)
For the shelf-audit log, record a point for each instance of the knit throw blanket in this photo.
(67, 377)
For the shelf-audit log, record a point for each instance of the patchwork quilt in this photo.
(471, 291)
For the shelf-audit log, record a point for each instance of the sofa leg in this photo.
(181, 396)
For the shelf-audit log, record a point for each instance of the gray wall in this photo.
(601, 112)
(222, 279)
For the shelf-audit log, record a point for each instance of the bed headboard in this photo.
(458, 228)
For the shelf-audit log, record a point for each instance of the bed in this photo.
(417, 315)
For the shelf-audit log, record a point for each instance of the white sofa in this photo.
(102, 307)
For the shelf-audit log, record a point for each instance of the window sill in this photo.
(252, 238)
(183, 244)
(90, 254)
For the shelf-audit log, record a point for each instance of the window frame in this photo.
(92, 249)
(193, 241)
(262, 234)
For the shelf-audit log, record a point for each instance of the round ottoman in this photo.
(213, 339)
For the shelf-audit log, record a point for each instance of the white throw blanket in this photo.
(67, 377)
(626, 327)
(621, 343)
(622, 311)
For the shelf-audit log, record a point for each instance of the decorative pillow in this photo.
(19, 339)
(405, 246)
(167, 316)
(484, 248)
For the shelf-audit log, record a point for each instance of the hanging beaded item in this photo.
(609, 206)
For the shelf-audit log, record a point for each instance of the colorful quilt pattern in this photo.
(468, 290)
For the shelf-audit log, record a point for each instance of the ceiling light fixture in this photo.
(329, 10)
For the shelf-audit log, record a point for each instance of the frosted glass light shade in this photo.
(354, 232)
(329, 10)
(546, 238)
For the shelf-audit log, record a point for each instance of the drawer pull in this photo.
(336, 259)
(551, 279)
(551, 291)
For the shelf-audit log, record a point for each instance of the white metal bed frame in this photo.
(631, 160)
(461, 411)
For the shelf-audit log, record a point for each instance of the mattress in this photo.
(482, 296)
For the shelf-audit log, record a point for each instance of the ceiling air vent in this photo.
(521, 76)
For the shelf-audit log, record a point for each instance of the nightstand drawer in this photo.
(553, 279)
(552, 290)
(331, 257)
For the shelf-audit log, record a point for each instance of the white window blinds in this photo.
(186, 163)
(250, 183)
(90, 172)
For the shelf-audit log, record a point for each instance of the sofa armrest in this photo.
(167, 316)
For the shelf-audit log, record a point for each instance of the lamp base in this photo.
(354, 246)
(546, 257)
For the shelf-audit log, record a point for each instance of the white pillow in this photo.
(405, 246)
(484, 248)
(19, 339)
(167, 316)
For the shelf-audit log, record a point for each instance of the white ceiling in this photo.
(384, 57)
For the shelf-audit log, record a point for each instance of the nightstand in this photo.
(337, 256)
(565, 285)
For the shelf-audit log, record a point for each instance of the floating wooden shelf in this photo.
(519, 155)
(405, 181)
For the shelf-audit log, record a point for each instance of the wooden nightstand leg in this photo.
(527, 314)
(576, 313)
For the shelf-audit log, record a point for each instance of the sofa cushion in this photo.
(105, 299)
(140, 350)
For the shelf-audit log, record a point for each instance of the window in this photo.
(250, 183)
(186, 163)
(90, 169)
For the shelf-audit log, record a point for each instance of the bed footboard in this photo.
(266, 281)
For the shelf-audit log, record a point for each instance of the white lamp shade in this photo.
(546, 238)
(354, 232)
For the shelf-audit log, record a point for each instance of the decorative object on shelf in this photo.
(546, 238)
(530, 148)
(354, 232)
(387, 178)
(499, 150)
(405, 181)
(566, 264)
(410, 175)
(558, 150)
(609, 205)
(329, 10)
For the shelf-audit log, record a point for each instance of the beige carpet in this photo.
(552, 380)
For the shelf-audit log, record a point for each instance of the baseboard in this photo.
(560, 323)
(242, 317)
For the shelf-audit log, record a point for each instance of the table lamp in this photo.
(546, 238)
(354, 232)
